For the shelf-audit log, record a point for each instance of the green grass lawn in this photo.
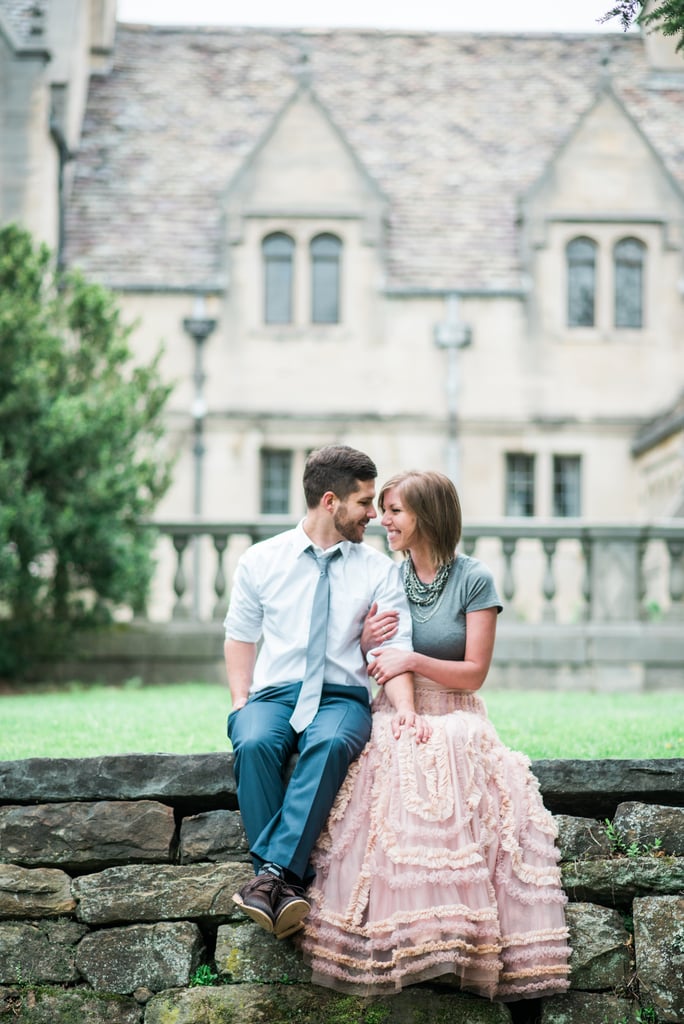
(191, 718)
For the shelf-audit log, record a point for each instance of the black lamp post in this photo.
(199, 327)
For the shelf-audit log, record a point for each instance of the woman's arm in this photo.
(468, 674)
(400, 693)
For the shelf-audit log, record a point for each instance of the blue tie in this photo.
(312, 684)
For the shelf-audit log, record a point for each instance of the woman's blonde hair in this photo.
(434, 501)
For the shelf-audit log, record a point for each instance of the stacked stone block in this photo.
(116, 877)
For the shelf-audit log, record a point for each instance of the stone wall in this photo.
(627, 657)
(116, 877)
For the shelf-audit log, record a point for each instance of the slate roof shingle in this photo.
(453, 127)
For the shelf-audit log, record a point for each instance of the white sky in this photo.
(456, 15)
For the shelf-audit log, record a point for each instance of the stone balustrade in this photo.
(586, 605)
(549, 570)
(116, 876)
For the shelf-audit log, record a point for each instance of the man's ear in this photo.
(329, 501)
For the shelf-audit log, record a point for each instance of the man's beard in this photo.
(353, 531)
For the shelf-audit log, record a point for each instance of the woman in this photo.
(438, 857)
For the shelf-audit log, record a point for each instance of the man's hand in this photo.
(378, 627)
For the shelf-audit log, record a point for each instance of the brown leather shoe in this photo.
(257, 897)
(290, 907)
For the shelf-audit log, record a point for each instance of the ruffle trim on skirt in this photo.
(438, 859)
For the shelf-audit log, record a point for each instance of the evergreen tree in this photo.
(80, 461)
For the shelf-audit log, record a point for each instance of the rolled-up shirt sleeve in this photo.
(391, 596)
(245, 613)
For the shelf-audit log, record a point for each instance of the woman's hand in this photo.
(378, 627)
(409, 721)
(386, 662)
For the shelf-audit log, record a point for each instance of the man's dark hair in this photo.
(337, 468)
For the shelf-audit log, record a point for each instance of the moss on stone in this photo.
(232, 963)
(47, 1004)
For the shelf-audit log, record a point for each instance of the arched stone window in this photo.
(581, 274)
(629, 258)
(326, 253)
(278, 257)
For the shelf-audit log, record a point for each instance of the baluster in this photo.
(586, 578)
(468, 545)
(508, 546)
(675, 550)
(180, 609)
(549, 612)
(220, 544)
(641, 578)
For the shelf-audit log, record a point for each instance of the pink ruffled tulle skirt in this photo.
(438, 859)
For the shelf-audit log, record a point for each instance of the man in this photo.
(276, 599)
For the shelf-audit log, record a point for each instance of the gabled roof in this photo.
(305, 91)
(454, 129)
(23, 23)
(606, 90)
(668, 422)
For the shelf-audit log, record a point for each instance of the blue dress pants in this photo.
(283, 820)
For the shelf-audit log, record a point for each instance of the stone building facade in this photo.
(455, 251)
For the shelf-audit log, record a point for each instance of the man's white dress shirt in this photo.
(272, 598)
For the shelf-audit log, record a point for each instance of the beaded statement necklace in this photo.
(425, 595)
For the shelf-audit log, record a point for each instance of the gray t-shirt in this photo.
(469, 588)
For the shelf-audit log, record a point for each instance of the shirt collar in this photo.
(302, 541)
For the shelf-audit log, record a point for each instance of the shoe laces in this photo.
(267, 881)
(276, 886)
(285, 888)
